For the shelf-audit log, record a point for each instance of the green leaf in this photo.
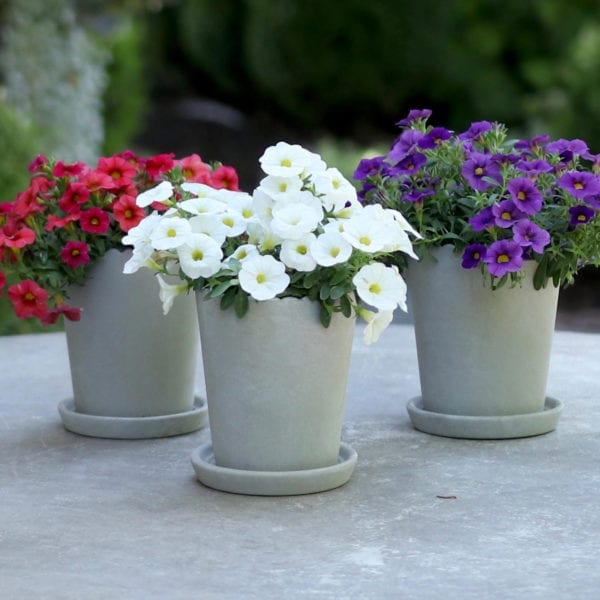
(325, 315)
(337, 291)
(346, 306)
(324, 291)
(221, 288)
(228, 298)
(540, 276)
(241, 303)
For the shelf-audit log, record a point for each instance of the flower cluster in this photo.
(302, 233)
(72, 214)
(499, 202)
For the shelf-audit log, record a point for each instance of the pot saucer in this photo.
(272, 483)
(485, 428)
(133, 428)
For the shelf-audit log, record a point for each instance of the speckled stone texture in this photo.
(421, 517)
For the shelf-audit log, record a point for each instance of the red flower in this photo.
(69, 170)
(161, 163)
(225, 177)
(75, 195)
(32, 199)
(194, 169)
(121, 171)
(94, 220)
(72, 313)
(2, 282)
(53, 221)
(15, 235)
(38, 163)
(75, 254)
(97, 180)
(28, 299)
(127, 213)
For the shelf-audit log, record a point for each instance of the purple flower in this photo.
(530, 146)
(593, 201)
(509, 159)
(480, 166)
(409, 165)
(580, 215)
(525, 195)
(405, 145)
(580, 183)
(528, 234)
(473, 255)
(571, 147)
(434, 138)
(369, 167)
(506, 214)
(483, 219)
(535, 167)
(414, 115)
(417, 195)
(504, 256)
(475, 130)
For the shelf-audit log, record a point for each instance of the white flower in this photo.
(288, 160)
(211, 225)
(201, 190)
(163, 191)
(349, 210)
(406, 226)
(200, 256)
(203, 206)
(365, 234)
(244, 252)
(291, 220)
(380, 286)
(169, 233)
(296, 253)
(263, 277)
(140, 234)
(263, 206)
(141, 257)
(392, 231)
(242, 203)
(275, 186)
(263, 237)
(336, 190)
(168, 293)
(377, 323)
(330, 248)
(234, 223)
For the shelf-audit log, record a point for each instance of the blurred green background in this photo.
(226, 78)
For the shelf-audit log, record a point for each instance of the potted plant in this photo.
(61, 247)
(281, 275)
(504, 223)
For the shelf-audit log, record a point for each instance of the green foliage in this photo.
(18, 142)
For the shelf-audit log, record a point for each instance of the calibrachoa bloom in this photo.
(499, 203)
(72, 214)
(301, 233)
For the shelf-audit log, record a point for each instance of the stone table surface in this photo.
(92, 518)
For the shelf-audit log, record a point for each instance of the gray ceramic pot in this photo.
(132, 368)
(276, 384)
(483, 354)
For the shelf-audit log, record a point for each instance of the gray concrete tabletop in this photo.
(422, 516)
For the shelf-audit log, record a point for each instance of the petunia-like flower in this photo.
(74, 254)
(2, 282)
(15, 235)
(406, 144)
(296, 254)
(224, 177)
(71, 313)
(334, 189)
(160, 163)
(199, 256)
(580, 183)
(473, 255)
(288, 160)
(533, 168)
(163, 191)
(28, 299)
(292, 220)
(414, 115)
(366, 234)
(242, 203)
(121, 171)
(377, 323)
(571, 147)
(476, 130)
(263, 277)
(507, 213)
(504, 256)
(276, 186)
(478, 169)
(434, 138)
(168, 293)
(94, 220)
(127, 213)
(330, 248)
(409, 165)
(528, 234)
(75, 195)
(170, 233)
(580, 215)
(369, 167)
(244, 252)
(532, 145)
(483, 219)
(380, 286)
(525, 195)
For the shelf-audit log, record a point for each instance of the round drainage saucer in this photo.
(133, 428)
(485, 428)
(272, 483)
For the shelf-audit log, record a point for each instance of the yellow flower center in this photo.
(581, 218)
(247, 213)
(479, 171)
(375, 288)
(578, 185)
(172, 233)
(228, 221)
(476, 255)
(334, 251)
(261, 278)
(29, 297)
(197, 254)
(302, 250)
(521, 195)
(75, 252)
(283, 186)
(365, 240)
(506, 216)
(286, 162)
(503, 258)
